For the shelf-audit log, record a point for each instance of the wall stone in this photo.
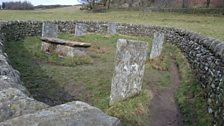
(205, 54)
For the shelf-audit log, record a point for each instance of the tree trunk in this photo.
(208, 3)
(108, 6)
(185, 4)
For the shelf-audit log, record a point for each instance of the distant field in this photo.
(205, 24)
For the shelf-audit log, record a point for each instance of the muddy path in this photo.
(163, 107)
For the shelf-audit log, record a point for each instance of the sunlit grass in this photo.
(205, 24)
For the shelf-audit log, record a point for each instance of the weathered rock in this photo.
(15, 103)
(7, 82)
(129, 69)
(49, 29)
(157, 45)
(71, 114)
(112, 28)
(63, 47)
(80, 29)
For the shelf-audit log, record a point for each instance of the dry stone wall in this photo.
(205, 54)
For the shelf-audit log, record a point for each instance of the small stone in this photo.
(80, 29)
(157, 45)
(49, 30)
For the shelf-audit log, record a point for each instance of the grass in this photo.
(205, 24)
(55, 80)
(190, 96)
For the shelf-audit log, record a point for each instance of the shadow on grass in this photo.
(41, 86)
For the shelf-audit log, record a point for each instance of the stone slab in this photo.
(71, 114)
(80, 29)
(112, 28)
(129, 69)
(157, 45)
(49, 30)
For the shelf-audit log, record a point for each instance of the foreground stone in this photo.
(129, 69)
(157, 45)
(80, 29)
(71, 114)
(15, 103)
(49, 30)
(63, 47)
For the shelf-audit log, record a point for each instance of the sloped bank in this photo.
(205, 54)
(18, 108)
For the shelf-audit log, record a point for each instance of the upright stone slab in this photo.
(80, 29)
(112, 28)
(157, 45)
(49, 30)
(129, 69)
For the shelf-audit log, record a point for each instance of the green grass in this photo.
(206, 24)
(190, 96)
(55, 80)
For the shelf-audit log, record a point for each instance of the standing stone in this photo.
(80, 29)
(112, 28)
(129, 69)
(157, 45)
(49, 30)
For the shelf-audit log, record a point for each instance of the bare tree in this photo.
(185, 4)
(207, 3)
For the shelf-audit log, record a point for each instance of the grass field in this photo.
(55, 80)
(205, 24)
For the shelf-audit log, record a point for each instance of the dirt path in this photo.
(164, 109)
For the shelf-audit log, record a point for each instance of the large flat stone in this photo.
(71, 114)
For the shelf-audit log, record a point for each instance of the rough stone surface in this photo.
(157, 45)
(71, 114)
(50, 29)
(18, 109)
(129, 69)
(64, 48)
(112, 28)
(80, 29)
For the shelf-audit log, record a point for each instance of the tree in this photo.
(90, 3)
(185, 4)
(207, 3)
(3, 5)
(93, 4)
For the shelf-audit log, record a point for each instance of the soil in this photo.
(163, 107)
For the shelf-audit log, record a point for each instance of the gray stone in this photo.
(129, 69)
(71, 114)
(157, 45)
(112, 28)
(15, 103)
(80, 29)
(63, 47)
(49, 30)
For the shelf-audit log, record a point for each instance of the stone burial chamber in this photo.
(51, 44)
(18, 108)
(205, 56)
(64, 47)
